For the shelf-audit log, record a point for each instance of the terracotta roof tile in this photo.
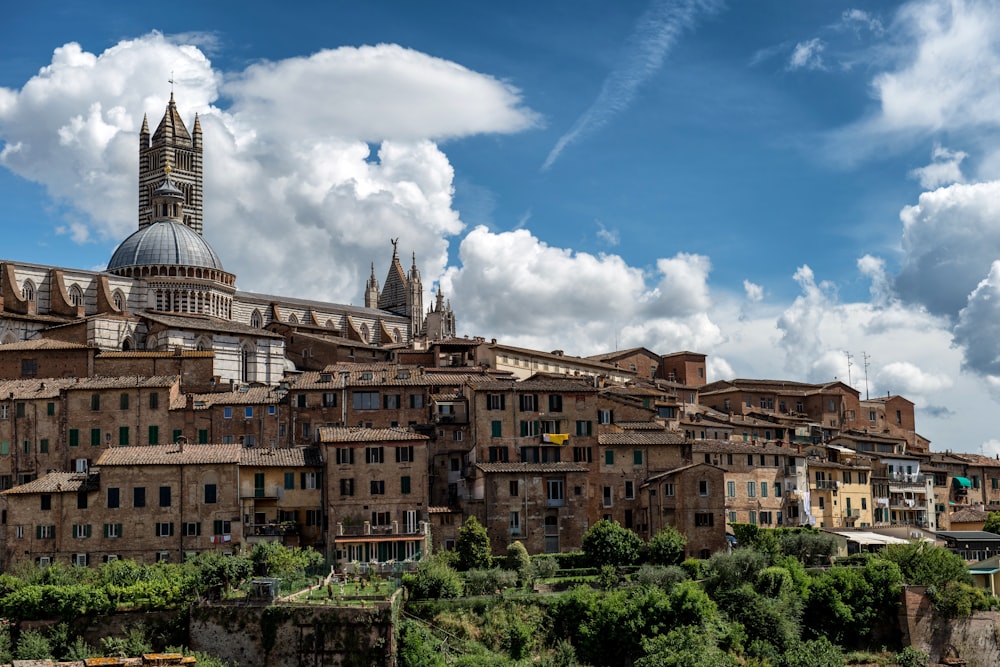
(641, 426)
(641, 438)
(41, 344)
(126, 382)
(170, 455)
(734, 447)
(333, 434)
(531, 467)
(309, 457)
(251, 396)
(203, 323)
(57, 482)
(26, 390)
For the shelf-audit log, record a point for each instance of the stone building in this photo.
(689, 498)
(281, 495)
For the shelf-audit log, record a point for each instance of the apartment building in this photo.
(689, 498)
(756, 480)
(281, 496)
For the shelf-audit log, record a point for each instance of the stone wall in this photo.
(287, 636)
(975, 639)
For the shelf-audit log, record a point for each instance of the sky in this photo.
(806, 191)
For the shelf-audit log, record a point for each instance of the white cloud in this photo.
(287, 161)
(655, 33)
(609, 236)
(978, 327)
(858, 19)
(945, 168)
(754, 293)
(807, 55)
(990, 448)
(908, 379)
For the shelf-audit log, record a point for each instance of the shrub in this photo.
(608, 577)
(473, 545)
(543, 567)
(33, 645)
(666, 547)
(958, 600)
(610, 543)
(694, 568)
(658, 575)
(434, 579)
(518, 560)
(912, 657)
(484, 582)
(814, 653)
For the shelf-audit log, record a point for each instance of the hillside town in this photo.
(153, 410)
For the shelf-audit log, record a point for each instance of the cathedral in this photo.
(165, 290)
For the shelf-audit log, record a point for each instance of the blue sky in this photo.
(774, 184)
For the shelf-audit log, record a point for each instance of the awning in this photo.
(961, 481)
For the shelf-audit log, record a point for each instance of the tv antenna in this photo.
(867, 359)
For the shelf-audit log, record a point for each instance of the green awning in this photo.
(961, 481)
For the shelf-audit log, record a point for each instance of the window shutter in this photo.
(302, 480)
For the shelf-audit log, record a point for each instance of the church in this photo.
(165, 289)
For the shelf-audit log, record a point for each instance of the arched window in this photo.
(330, 324)
(246, 364)
(364, 332)
(256, 321)
(203, 344)
(396, 335)
(292, 319)
(119, 300)
(127, 345)
(8, 338)
(28, 291)
(76, 295)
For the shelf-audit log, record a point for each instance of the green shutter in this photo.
(404, 484)
(86, 530)
(609, 457)
(74, 437)
(497, 428)
(177, 434)
(50, 409)
(154, 434)
(524, 428)
(43, 446)
(289, 480)
(95, 437)
(4, 448)
(637, 457)
(203, 436)
(123, 433)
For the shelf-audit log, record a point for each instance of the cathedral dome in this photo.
(165, 243)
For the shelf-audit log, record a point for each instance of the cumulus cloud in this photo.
(908, 379)
(807, 55)
(523, 289)
(945, 168)
(978, 327)
(801, 323)
(859, 20)
(289, 159)
(754, 293)
(950, 239)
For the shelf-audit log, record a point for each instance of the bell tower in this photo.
(171, 145)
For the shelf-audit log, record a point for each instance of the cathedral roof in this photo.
(171, 127)
(393, 296)
(165, 243)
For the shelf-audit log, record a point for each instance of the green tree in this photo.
(473, 545)
(609, 543)
(686, 646)
(847, 604)
(518, 560)
(815, 653)
(666, 547)
(271, 559)
(434, 579)
(992, 524)
(925, 564)
(809, 546)
(219, 573)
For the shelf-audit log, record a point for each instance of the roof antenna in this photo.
(867, 359)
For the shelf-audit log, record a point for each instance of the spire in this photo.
(197, 131)
(144, 133)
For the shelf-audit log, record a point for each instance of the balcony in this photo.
(367, 530)
(825, 485)
(272, 529)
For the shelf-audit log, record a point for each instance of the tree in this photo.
(473, 546)
(666, 547)
(271, 559)
(518, 560)
(609, 543)
(992, 524)
(434, 579)
(925, 564)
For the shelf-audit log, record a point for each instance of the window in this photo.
(498, 455)
(751, 490)
(405, 454)
(45, 532)
(314, 518)
(456, 436)
(123, 435)
(668, 489)
(629, 490)
(584, 427)
(112, 530)
(374, 455)
(309, 480)
(347, 487)
(227, 412)
(495, 401)
(515, 523)
(753, 517)
(376, 487)
(702, 487)
(530, 428)
(777, 489)
(609, 457)
(391, 401)
(29, 367)
(81, 531)
(381, 518)
(704, 519)
(300, 400)
(220, 527)
(555, 492)
(211, 494)
(404, 484)
(416, 400)
(95, 401)
(496, 428)
(164, 496)
(345, 456)
(731, 489)
(192, 529)
(154, 400)
(528, 402)
(46, 501)
(605, 416)
(248, 412)
(365, 400)
(329, 399)
(822, 503)
(113, 497)
(203, 436)
(864, 503)
(555, 403)
(763, 489)
(637, 457)
(95, 437)
(164, 529)
(4, 412)
(583, 454)
(123, 401)
(139, 496)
